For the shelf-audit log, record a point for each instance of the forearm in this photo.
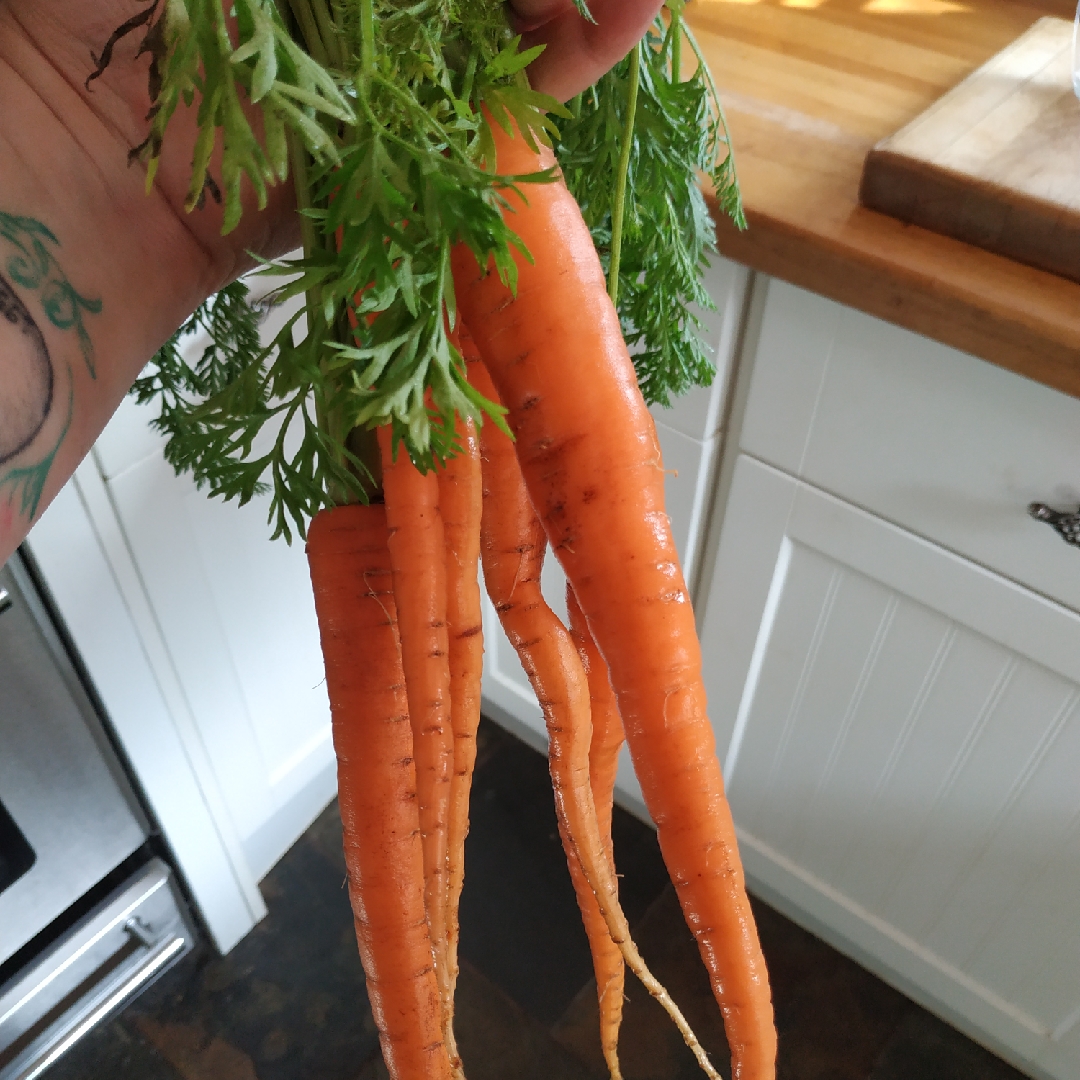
(94, 275)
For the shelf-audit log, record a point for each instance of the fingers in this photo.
(530, 14)
(579, 52)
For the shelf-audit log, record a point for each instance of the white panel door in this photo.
(237, 618)
(930, 438)
(902, 733)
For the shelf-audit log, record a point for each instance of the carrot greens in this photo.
(633, 154)
(380, 111)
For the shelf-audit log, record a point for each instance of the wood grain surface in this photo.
(996, 161)
(809, 87)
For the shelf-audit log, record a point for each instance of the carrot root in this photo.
(607, 740)
(351, 575)
(588, 450)
(418, 560)
(512, 552)
(460, 500)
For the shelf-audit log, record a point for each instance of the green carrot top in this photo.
(379, 111)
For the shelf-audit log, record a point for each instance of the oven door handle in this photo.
(120, 947)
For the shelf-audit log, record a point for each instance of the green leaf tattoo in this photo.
(34, 267)
(25, 484)
(28, 413)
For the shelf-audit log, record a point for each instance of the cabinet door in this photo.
(901, 731)
(235, 615)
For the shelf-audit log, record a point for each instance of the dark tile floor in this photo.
(288, 1002)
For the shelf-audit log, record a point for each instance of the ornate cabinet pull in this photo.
(1067, 526)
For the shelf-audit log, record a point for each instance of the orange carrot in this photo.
(351, 576)
(418, 558)
(588, 449)
(607, 740)
(459, 499)
(512, 546)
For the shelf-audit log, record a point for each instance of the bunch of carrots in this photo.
(465, 398)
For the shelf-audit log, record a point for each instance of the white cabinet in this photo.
(237, 619)
(897, 705)
(226, 623)
(236, 615)
(690, 435)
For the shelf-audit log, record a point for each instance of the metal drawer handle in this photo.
(1067, 526)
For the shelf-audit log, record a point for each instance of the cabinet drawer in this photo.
(927, 437)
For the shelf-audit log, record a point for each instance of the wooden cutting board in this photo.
(996, 161)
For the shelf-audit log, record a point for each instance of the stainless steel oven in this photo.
(88, 913)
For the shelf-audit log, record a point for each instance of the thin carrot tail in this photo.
(607, 728)
(352, 580)
(418, 558)
(607, 959)
(607, 740)
(460, 500)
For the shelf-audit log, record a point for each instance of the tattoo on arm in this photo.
(34, 267)
(30, 382)
(26, 375)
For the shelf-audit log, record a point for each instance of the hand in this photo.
(70, 32)
(579, 52)
(53, 46)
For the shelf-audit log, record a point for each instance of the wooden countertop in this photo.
(808, 87)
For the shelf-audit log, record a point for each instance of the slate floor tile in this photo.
(114, 1050)
(832, 1016)
(927, 1048)
(288, 1003)
(650, 1047)
(498, 1040)
(520, 924)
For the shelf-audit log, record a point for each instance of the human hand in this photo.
(578, 52)
(54, 47)
(113, 109)
(139, 261)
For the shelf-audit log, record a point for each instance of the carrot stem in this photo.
(618, 211)
(676, 30)
(309, 28)
(329, 33)
(367, 48)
